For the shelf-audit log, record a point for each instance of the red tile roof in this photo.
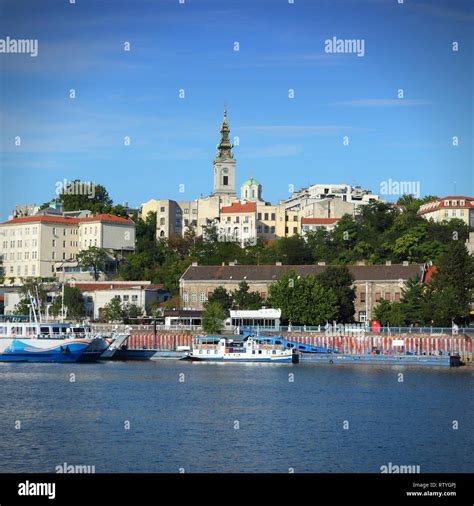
(237, 207)
(47, 219)
(107, 217)
(319, 221)
(69, 221)
(433, 205)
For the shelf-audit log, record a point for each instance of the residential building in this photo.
(372, 282)
(238, 223)
(40, 245)
(143, 294)
(314, 224)
(448, 208)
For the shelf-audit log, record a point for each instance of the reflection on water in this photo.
(234, 417)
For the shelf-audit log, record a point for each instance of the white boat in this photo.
(26, 341)
(248, 349)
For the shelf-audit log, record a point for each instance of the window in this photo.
(134, 298)
(162, 221)
(387, 296)
(185, 296)
(225, 180)
(259, 229)
(295, 218)
(54, 243)
(295, 230)
(272, 230)
(162, 209)
(193, 297)
(362, 296)
(259, 216)
(266, 216)
(202, 297)
(378, 296)
(64, 244)
(126, 297)
(266, 229)
(397, 296)
(273, 217)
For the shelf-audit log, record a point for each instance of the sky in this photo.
(286, 143)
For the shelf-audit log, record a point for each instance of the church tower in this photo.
(224, 163)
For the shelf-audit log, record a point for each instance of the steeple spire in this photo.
(224, 148)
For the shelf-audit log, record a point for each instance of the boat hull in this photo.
(42, 350)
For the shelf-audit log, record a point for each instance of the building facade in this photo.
(39, 246)
(372, 282)
(448, 208)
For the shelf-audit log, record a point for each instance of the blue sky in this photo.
(282, 141)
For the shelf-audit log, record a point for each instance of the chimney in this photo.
(388, 262)
(277, 263)
(405, 263)
(194, 264)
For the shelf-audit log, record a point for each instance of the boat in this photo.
(246, 349)
(115, 343)
(22, 341)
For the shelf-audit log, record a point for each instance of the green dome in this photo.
(251, 182)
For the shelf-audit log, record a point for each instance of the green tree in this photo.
(130, 311)
(222, 297)
(450, 292)
(38, 291)
(73, 303)
(341, 281)
(94, 258)
(95, 198)
(243, 298)
(213, 318)
(303, 300)
(388, 313)
(112, 311)
(412, 302)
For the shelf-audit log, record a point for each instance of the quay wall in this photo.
(413, 343)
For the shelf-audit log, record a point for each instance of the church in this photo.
(246, 217)
(236, 219)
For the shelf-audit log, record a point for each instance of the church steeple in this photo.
(224, 164)
(224, 148)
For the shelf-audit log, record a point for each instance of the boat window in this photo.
(259, 352)
(44, 330)
(277, 342)
(55, 330)
(274, 352)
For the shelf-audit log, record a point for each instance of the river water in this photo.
(167, 416)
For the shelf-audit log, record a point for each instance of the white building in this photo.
(238, 223)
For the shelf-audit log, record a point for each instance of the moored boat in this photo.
(48, 342)
(248, 349)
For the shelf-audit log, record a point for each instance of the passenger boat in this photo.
(248, 349)
(49, 342)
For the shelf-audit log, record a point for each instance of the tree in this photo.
(38, 291)
(112, 311)
(412, 302)
(73, 303)
(388, 313)
(94, 258)
(303, 301)
(130, 311)
(341, 281)
(450, 292)
(94, 197)
(222, 297)
(243, 298)
(213, 318)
